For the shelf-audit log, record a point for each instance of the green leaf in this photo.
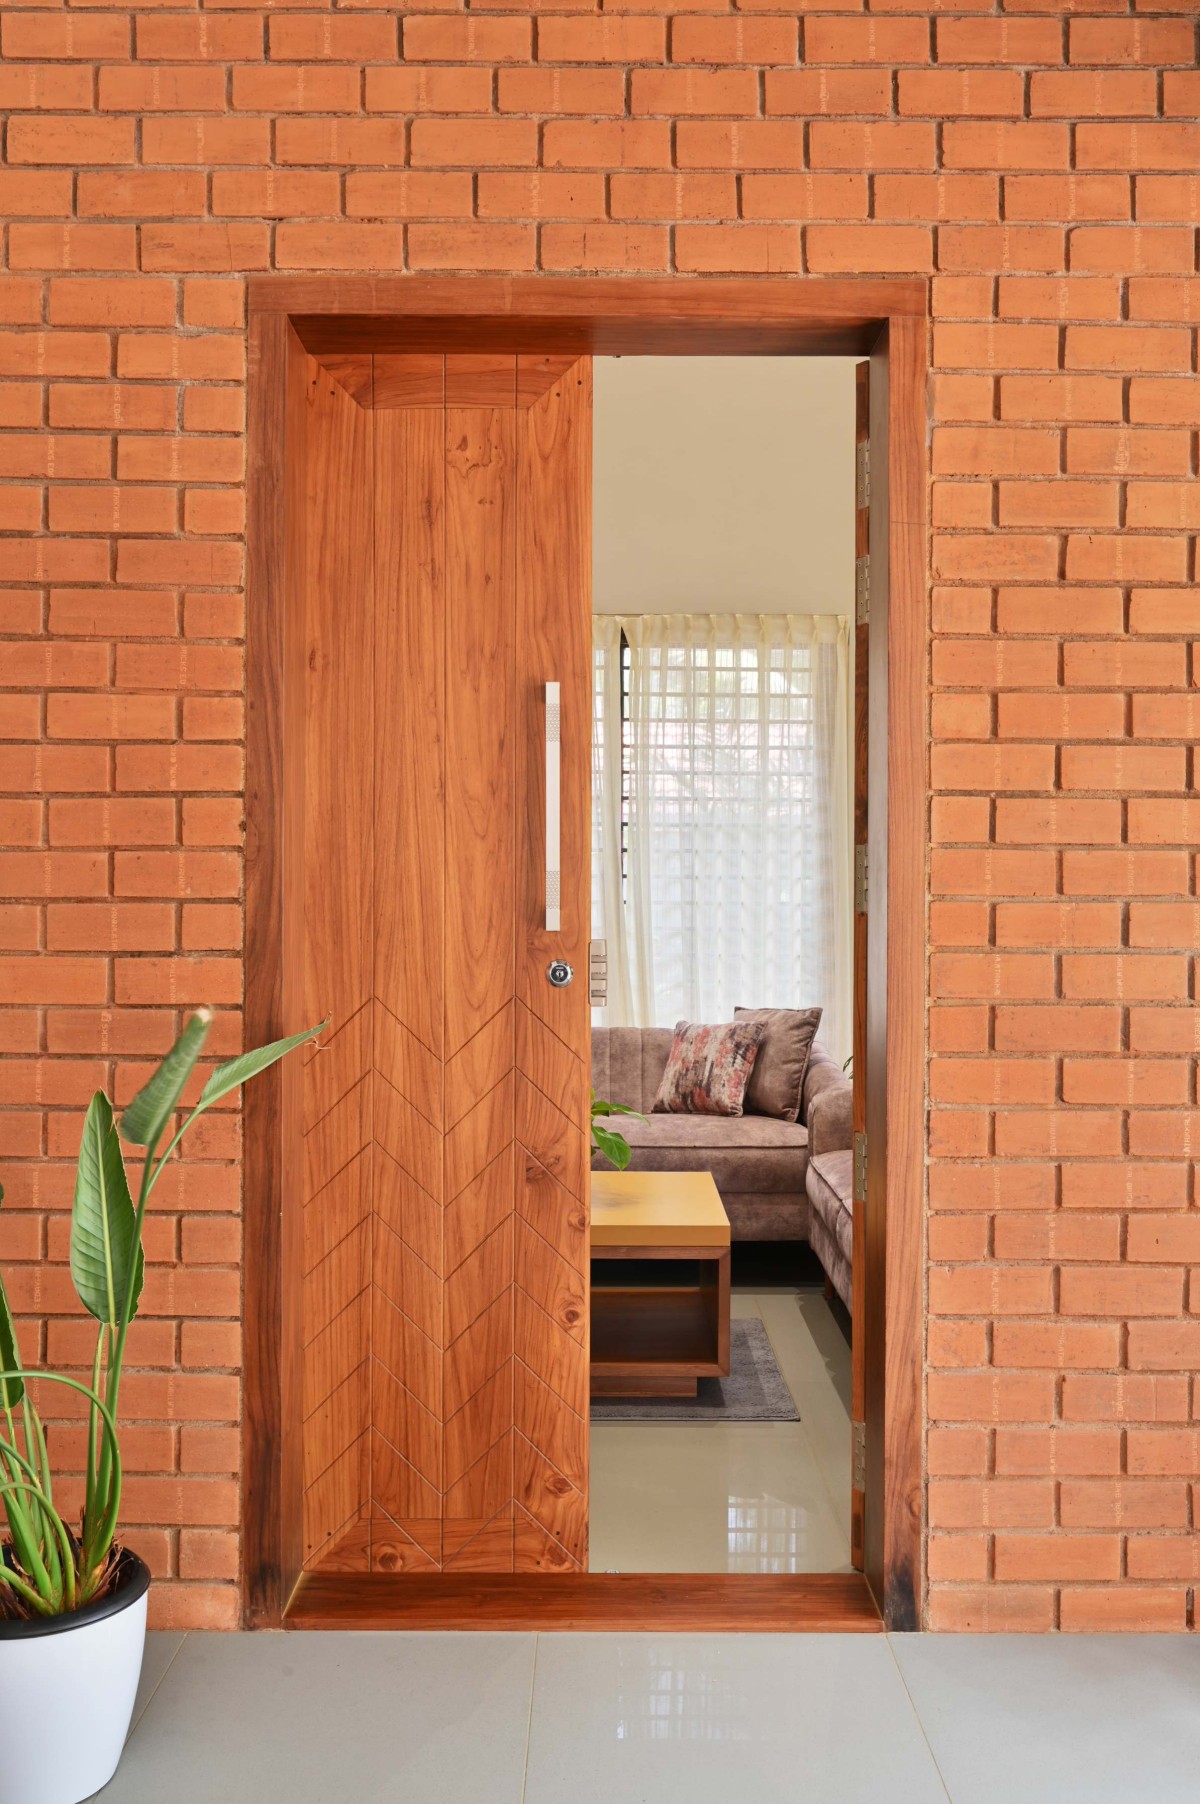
(238, 1071)
(104, 1239)
(614, 1146)
(11, 1389)
(155, 1103)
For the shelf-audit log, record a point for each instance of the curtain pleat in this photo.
(734, 789)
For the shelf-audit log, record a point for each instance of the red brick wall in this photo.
(1038, 163)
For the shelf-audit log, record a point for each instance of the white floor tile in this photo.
(334, 1719)
(710, 1497)
(162, 1645)
(738, 1496)
(1059, 1719)
(724, 1719)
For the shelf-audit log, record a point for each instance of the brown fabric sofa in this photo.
(759, 1164)
(830, 1183)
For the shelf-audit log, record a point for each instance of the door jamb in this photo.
(886, 320)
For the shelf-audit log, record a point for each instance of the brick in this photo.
(1125, 873)
(846, 145)
(1006, 145)
(1062, 503)
(993, 1607)
(73, 141)
(991, 450)
(283, 90)
(1092, 93)
(833, 249)
(936, 197)
(952, 93)
(1061, 1028)
(1010, 40)
(683, 92)
(1131, 41)
(1146, 147)
(1128, 450)
(449, 38)
(1144, 1608)
(561, 91)
(805, 92)
(476, 144)
(1061, 398)
(741, 40)
(333, 37)
(172, 89)
(611, 39)
(51, 247)
(1059, 297)
(618, 247)
(703, 249)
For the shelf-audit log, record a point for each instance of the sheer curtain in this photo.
(732, 784)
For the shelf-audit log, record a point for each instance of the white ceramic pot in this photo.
(67, 1685)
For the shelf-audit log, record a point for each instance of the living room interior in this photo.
(724, 521)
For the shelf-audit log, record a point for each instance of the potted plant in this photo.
(73, 1601)
(606, 1140)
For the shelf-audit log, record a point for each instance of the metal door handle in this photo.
(553, 812)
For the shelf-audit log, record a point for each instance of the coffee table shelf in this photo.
(660, 1283)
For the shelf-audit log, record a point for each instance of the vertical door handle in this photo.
(553, 812)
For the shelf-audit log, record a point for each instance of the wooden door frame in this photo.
(887, 321)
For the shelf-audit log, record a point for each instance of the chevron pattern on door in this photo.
(445, 1162)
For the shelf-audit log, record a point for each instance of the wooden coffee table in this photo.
(660, 1283)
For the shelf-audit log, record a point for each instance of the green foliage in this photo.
(151, 1109)
(106, 1256)
(48, 1569)
(11, 1389)
(613, 1145)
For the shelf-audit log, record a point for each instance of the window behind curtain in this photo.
(731, 882)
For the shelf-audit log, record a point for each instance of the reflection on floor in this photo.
(676, 1719)
(741, 1496)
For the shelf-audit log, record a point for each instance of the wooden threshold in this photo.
(803, 1603)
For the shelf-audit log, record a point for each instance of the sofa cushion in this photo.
(709, 1068)
(752, 1154)
(777, 1080)
(831, 1196)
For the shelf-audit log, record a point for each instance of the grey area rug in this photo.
(755, 1390)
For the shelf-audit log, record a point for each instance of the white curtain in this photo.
(733, 790)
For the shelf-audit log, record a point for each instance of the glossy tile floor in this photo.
(664, 1719)
(739, 1496)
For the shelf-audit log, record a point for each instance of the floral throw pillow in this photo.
(708, 1068)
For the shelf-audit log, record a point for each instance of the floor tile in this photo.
(162, 1645)
(736, 1497)
(717, 1719)
(1049, 1719)
(814, 1357)
(334, 1718)
(710, 1497)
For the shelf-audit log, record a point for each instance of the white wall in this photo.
(724, 483)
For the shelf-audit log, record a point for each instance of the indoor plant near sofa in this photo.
(73, 1603)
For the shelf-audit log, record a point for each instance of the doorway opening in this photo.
(723, 822)
(351, 1515)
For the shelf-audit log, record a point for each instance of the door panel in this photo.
(447, 515)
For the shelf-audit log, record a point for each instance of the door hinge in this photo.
(862, 590)
(860, 880)
(860, 1168)
(858, 1456)
(862, 473)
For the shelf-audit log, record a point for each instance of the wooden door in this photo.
(444, 1311)
(862, 576)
